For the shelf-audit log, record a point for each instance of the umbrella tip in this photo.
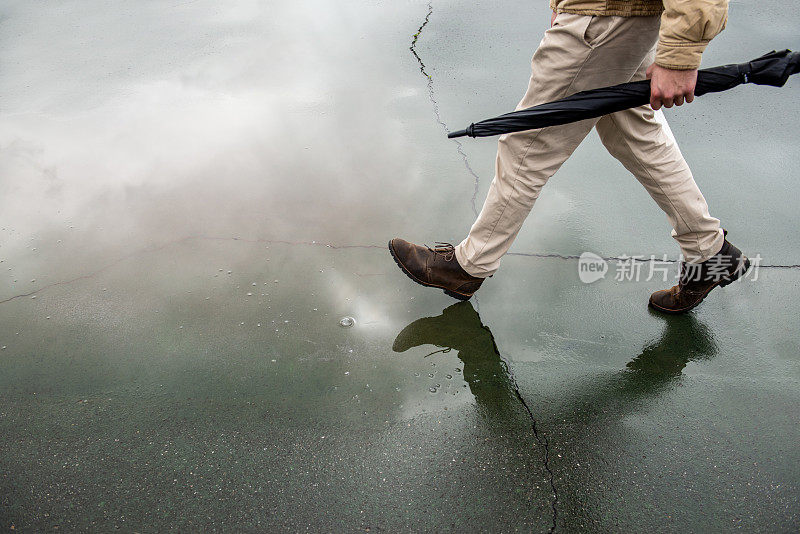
(458, 133)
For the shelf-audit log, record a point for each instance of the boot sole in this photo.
(448, 292)
(722, 283)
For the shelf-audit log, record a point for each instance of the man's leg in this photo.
(641, 144)
(644, 147)
(579, 52)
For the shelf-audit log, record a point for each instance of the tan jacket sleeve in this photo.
(687, 26)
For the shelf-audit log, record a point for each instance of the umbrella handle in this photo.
(469, 130)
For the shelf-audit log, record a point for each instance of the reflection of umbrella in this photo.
(770, 69)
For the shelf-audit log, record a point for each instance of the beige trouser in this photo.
(584, 52)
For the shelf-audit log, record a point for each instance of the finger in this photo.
(690, 98)
(667, 102)
(679, 100)
(655, 97)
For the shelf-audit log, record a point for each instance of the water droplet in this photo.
(347, 372)
(259, 325)
(254, 283)
(458, 370)
(430, 375)
(229, 272)
(3, 347)
(33, 297)
(242, 323)
(347, 322)
(275, 281)
(449, 377)
(432, 389)
(249, 294)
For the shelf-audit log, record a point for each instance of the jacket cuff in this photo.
(680, 55)
(553, 5)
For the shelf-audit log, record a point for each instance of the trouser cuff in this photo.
(468, 266)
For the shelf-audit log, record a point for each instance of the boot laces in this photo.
(446, 250)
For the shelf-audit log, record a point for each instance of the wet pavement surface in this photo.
(193, 195)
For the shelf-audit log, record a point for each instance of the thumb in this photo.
(650, 70)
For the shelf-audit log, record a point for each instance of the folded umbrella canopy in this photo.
(770, 69)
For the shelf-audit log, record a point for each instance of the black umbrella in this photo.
(770, 69)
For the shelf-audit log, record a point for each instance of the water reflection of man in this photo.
(459, 327)
(595, 43)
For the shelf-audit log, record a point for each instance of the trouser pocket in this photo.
(597, 29)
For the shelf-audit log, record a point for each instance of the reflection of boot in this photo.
(684, 339)
(459, 327)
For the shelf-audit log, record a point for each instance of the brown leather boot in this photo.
(434, 267)
(698, 279)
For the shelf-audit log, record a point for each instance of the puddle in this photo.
(201, 328)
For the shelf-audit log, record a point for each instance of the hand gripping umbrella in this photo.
(770, 69)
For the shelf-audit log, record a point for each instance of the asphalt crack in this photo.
(121, 259)
(541, 439)
(324, 244)
(437, 114)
